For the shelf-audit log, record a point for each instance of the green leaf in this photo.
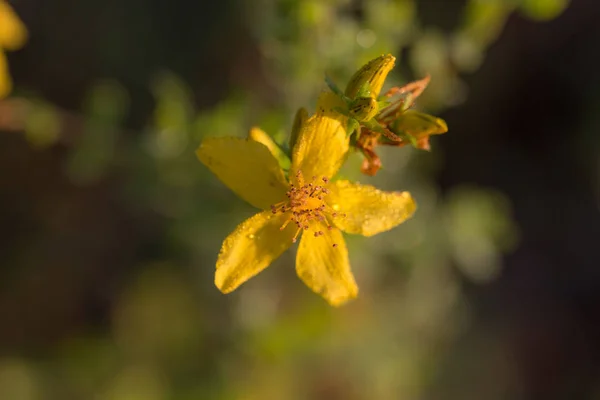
(334, 87)
(352, 126)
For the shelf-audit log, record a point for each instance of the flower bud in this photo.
(419, 125)
(373, 74)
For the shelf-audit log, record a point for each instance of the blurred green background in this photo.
(111, 227)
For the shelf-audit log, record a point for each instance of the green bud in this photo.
(363, 108)
(418, 125)
(372, 74)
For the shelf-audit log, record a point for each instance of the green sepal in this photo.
(374, 126)
(352, 126)
(334, 88)
(381, 104)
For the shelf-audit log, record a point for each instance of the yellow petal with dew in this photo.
(323, 265)
(13, 33)
(5, 81)
(247, 167)
(373, 73)
(322, 142)
(250, 248)
(260, 136)
(368, 210)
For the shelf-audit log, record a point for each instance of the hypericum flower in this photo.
(304, 205)
(12, 37)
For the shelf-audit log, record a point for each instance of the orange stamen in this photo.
(305, 204)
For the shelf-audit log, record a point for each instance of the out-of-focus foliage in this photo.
(171, 334)
(95, 148)
(480, 230)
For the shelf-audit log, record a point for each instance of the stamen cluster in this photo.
(306, 204)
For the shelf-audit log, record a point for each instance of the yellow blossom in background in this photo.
(306, 204)
(13, 35)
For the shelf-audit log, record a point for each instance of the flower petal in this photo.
(299, 119)
(322, 142)
(368, 210)
(250, 248)
(325, 268)
(260, 136)
(247, 167)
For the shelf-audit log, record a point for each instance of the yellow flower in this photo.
(12, 37)
(306, 203)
